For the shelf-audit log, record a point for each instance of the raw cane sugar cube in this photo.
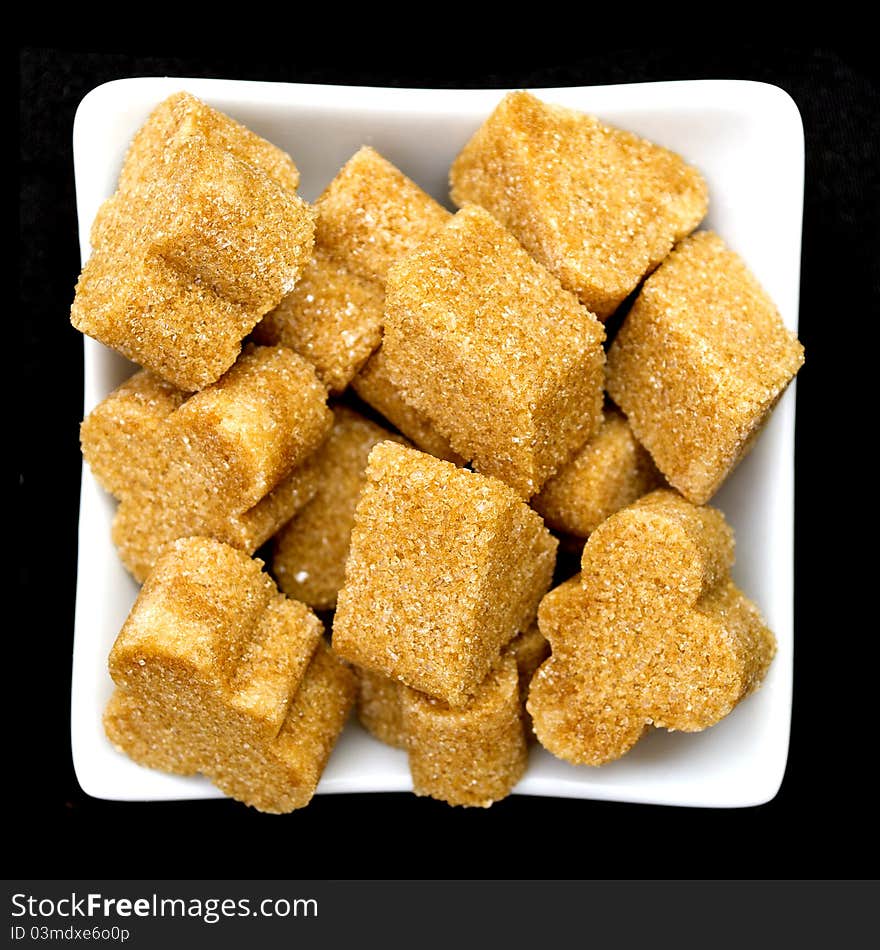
(184, 312)
(181, 118)
(379, 707)
(486, 343)
(311, 550)
(653, 632)
(611, 471)
(379, 698)
(212, 612)
(152, 314)
(216, 672)
(122, 437)
(141, 527)
(373, 384)
(445, 566)
(472, 755)
(371, 215)
(180, 121)
(529, 648)
(231, 462)
(196, 260)
(196, 245)
(699, 364)
(333, 318)
(228, 225)
(267, 414)
(239, 437)
(597, 206)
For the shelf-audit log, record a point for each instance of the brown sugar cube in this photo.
(233, 462)
(240, 437)
(609, 472)
(228, 225)
(179, 121)
(653, 632)
(597, 206)
(379, 697)
(379, 707)
(371, 215)
(472, 755)
(216, 672)
(265, 416)
(333, 318)
(373, 384)
(249, 529)
(445, 566)
(142, 526)
(486, 343)
(183, 311)
(699, 363)
(195, 246)
(529, 648)
(181, 118)
(147, 313)
(122, 437)
(311, 550)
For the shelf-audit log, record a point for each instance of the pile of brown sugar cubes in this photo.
(415, 407)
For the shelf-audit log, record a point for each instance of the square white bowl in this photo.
(747, 139)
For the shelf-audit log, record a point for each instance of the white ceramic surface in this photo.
(747, 139)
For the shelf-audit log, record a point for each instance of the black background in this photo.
(822, 822)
